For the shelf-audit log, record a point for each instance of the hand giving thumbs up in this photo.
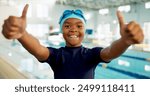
(131, 33)
(14, 27)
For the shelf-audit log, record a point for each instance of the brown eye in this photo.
(79, 26)
(67, 26)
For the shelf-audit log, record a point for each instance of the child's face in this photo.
(73, 32)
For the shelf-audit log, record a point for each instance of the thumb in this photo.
(24, 12)
(120, 19)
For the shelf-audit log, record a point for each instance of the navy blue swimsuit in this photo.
(74, 62)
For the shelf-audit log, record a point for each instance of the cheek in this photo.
(82, 33)
(64, 32)
(64, 36)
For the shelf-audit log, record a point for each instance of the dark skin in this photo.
(73, 33)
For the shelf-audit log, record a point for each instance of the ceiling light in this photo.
(103, 11)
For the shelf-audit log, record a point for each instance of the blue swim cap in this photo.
(71, 14)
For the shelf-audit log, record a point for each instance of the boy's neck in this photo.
(73, 46)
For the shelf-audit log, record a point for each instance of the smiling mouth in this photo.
(73, 36)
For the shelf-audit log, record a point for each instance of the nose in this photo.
(73, 28)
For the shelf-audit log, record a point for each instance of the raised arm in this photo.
(15, 28)
(131, 33)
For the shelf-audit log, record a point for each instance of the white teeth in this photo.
(73, 36)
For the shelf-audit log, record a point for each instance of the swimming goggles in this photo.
(67, 13)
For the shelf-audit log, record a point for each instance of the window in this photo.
(147, 5)
(125, 8)
(87, 16)
(103, 11)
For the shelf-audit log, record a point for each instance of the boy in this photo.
(72, 61)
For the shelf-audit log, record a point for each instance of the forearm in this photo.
(117, 48)
(32, 45)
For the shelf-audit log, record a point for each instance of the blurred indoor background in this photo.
(102, 30)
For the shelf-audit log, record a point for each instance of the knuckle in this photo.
(133, 22)
(138, 40)
(6, 34)
(9, 36)
(138, 25)
(12, 17)
(129, 27)
(13, 20)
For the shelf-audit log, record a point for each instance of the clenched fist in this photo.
(14, 27)
(131, 33)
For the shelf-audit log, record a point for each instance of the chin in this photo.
(74, 45)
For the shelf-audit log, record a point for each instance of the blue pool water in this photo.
(132, 64)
